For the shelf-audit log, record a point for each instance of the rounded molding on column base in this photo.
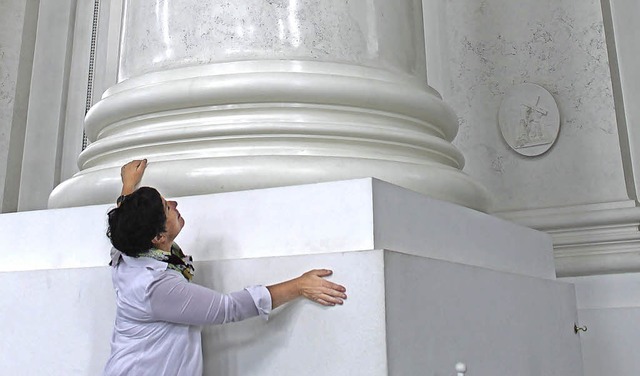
(262, 126)
(227, 85)
(186, 177)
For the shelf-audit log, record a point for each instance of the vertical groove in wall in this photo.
(616, 86)
(92, 57)
(62, 120)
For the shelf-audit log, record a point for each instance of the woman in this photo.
(159, 311)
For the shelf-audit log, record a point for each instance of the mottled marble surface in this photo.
(11, 21)
(165, 34)
(559, 45)
(624, 15)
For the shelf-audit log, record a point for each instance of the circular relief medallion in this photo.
(529, 119)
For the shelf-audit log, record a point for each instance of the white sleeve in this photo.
(172, 298)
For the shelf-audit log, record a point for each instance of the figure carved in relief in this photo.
(529, 119)
(531, 126)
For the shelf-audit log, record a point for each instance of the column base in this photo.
(258, 124)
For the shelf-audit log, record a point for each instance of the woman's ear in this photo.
(159, 239)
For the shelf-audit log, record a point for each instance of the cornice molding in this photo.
(588, 239)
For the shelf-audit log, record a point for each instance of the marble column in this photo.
(226, 96)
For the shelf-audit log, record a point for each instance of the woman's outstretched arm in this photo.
(172, 298)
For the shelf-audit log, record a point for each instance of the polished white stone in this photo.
(404, 315)
(265, 124)
(163, 35)
(315, 218)
(228, 120)
(479, 317)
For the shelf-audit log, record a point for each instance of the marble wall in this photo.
(559, 45)
(625, 34)
(11, 22)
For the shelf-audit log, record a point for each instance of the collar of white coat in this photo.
(137, 262)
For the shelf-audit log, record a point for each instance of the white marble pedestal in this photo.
(406, 315)
(453, 285)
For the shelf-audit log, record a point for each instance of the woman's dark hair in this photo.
(138, 219)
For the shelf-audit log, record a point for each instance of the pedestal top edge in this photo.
(385, 188)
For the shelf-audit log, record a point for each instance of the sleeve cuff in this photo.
(262, 299)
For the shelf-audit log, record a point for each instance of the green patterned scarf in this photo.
(175, 259)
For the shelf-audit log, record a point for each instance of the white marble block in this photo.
(430, 284)
(161, 36)
(358, 214)
(405, 315)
